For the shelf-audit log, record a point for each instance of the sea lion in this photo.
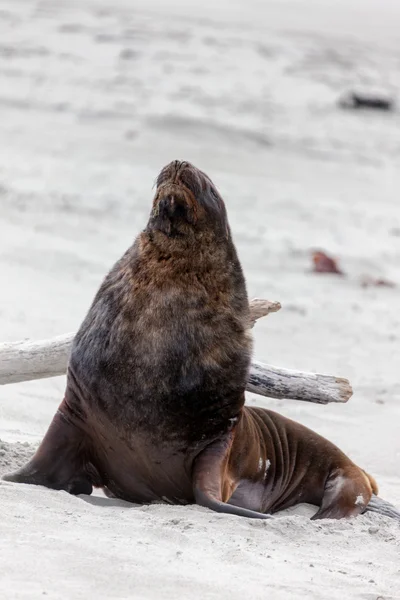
(154, 402)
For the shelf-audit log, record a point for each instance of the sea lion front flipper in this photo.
(213, 484)
(59, 460)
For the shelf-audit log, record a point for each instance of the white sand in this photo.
(93, 102)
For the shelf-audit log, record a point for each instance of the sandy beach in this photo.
(95, 99)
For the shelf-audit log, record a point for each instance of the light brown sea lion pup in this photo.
(154, 402)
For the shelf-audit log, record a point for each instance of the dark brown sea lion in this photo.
(154, 402)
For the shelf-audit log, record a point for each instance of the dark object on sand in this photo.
(357, 100)
(376, 282)
(325, 264)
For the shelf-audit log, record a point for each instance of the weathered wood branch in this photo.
(27, 360)
(261, 308)
(275, 382)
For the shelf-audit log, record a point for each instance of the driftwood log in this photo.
(27, 360)
(367, 100)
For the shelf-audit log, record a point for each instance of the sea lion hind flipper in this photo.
(347, 493)
(383, 507)
(213, 485)
(58, 462)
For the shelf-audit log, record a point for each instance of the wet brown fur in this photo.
(292, 464)
(154, 402)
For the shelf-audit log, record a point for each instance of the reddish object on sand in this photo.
(325, 264)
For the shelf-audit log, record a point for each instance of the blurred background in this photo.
(96, 97)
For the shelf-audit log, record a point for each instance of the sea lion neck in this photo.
(196, 252)
(177, 242)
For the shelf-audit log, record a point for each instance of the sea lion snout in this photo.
(186, 195)
(174, 209)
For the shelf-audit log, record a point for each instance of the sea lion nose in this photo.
(176, 167)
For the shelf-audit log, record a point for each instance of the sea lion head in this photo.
(187, 201)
